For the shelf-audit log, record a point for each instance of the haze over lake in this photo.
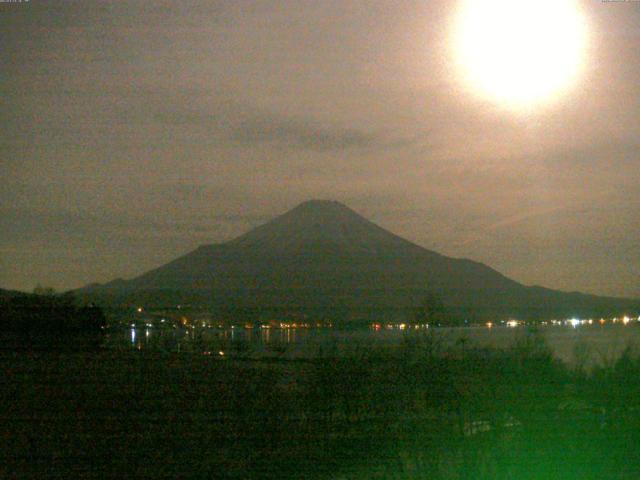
(320, 240)
(583, 346)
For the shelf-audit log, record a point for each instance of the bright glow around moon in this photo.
(520, 52)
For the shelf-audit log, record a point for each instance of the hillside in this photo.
(322, 257)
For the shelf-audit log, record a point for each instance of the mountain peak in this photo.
(325, 207)
(321, 256)
(318, 222)
(321, 203)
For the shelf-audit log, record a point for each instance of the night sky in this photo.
(135, 131)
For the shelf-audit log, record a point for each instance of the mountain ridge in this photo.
(322, 255)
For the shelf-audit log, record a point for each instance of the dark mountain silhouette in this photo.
(323, 258)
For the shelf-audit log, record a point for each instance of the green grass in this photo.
(421, 411)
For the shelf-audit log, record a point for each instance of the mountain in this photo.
(323, 258)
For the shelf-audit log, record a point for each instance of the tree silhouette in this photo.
(431, 310)
(44, 291)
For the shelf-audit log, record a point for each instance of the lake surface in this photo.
(585, 345)
(196, 415)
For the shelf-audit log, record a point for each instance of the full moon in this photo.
(520, 52)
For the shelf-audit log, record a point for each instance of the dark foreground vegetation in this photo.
(46, 320)
(420, 411)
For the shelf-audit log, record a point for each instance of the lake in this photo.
(133, 410)
(584, 345)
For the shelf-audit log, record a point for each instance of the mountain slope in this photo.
(323, 255)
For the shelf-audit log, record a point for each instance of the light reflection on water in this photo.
(209, 339)
(596, 344)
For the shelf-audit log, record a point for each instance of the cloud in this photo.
(244, 126)
(299, 134)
